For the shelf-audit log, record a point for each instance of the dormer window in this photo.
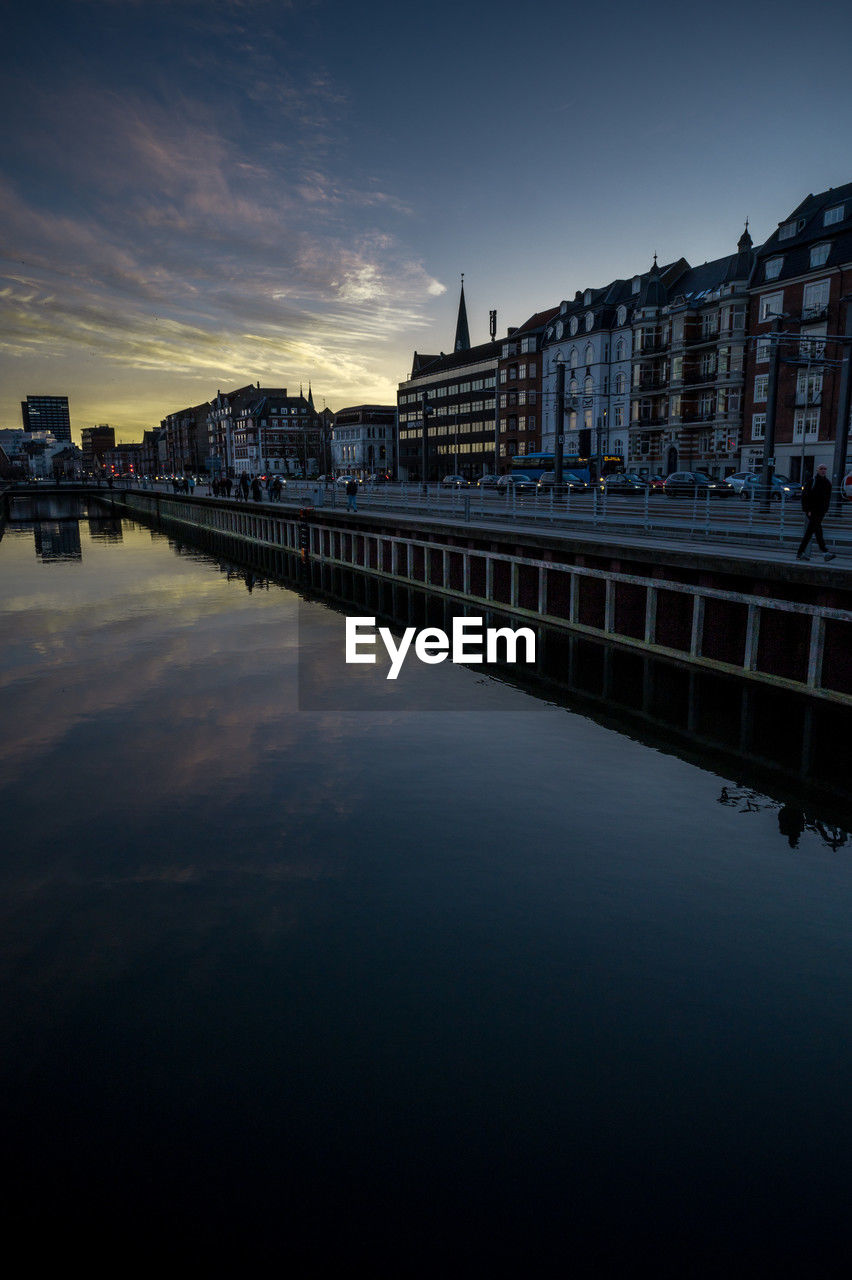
(590, 321)
(772, 270)
(790, 229)
(573, 325)
(621, 316)
(587, 298)
(563, 308)
(819, 254)
(636, 284)
(832, 216)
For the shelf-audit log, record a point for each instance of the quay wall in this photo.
(789, 625)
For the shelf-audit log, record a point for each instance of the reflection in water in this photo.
(536, 981)
(57, 541)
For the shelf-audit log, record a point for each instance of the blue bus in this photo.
(533, 465)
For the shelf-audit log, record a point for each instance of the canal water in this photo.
(495, 984)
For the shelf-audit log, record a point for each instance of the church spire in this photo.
(745, 241)
(462, 342)
(311, 397)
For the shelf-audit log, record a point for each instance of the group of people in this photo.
(241, 488)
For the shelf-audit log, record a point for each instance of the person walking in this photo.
(816, 499)
(352, 495)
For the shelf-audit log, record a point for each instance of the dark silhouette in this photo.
(816, 499)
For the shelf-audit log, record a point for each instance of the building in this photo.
(800, 322)
(273, 432)
(32, 453)
(458, 392)
(97, 441)
(47, 413)
(592, 339)
(362, 440)
(519, 386)
(185, 436)
(124, 460)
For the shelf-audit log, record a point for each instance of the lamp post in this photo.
(424, 444)
(559, 451)
(767, 469)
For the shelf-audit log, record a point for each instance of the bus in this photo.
(533, 465)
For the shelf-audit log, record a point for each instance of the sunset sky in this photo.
(195, 194)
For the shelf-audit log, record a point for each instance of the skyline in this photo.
(195, 195)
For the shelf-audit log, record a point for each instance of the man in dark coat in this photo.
(816, 498)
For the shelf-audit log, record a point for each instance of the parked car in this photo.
(739, 478)
(454, 482)
(622, 486)
(657, 484)
(571, 483)
(781, 490)
(488, 482)
(695, 484)
(517, 484)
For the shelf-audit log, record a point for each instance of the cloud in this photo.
(174, 247)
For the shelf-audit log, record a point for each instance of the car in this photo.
(516, 484)
(782, 489)
(571, 484)
(739, 478)
(695, 484)
(618, 485)
(657, 484)
(378, 477)
(454, 482)
(488, 482)
(344, 480)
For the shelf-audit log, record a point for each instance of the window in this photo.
(620, 384)
(819, 254)
(636, 285)
(574, 387)
(831, 216)
(587, 297)
(772, 270)
(573, 358)
(808, 387)
(587, 419)
(815, 299)
(588, 386)
(771, 305)
(790, 229)
(590, 354)
(590, 322)
(812, 345)
(621, 316)
(573, 325)
(806, 424)
(762, 351)
(619, 349)
(761, 385)
(758, 426)
(618, 416)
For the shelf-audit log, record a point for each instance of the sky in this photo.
(198, 194)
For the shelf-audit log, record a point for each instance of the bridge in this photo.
(732, 605)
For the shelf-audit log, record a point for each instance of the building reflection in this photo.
(57, 540)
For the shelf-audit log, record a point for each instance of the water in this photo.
(494, 987)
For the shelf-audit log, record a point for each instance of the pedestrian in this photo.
(256, 489)
(816, 499)
(244, 487)
(352, 495)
